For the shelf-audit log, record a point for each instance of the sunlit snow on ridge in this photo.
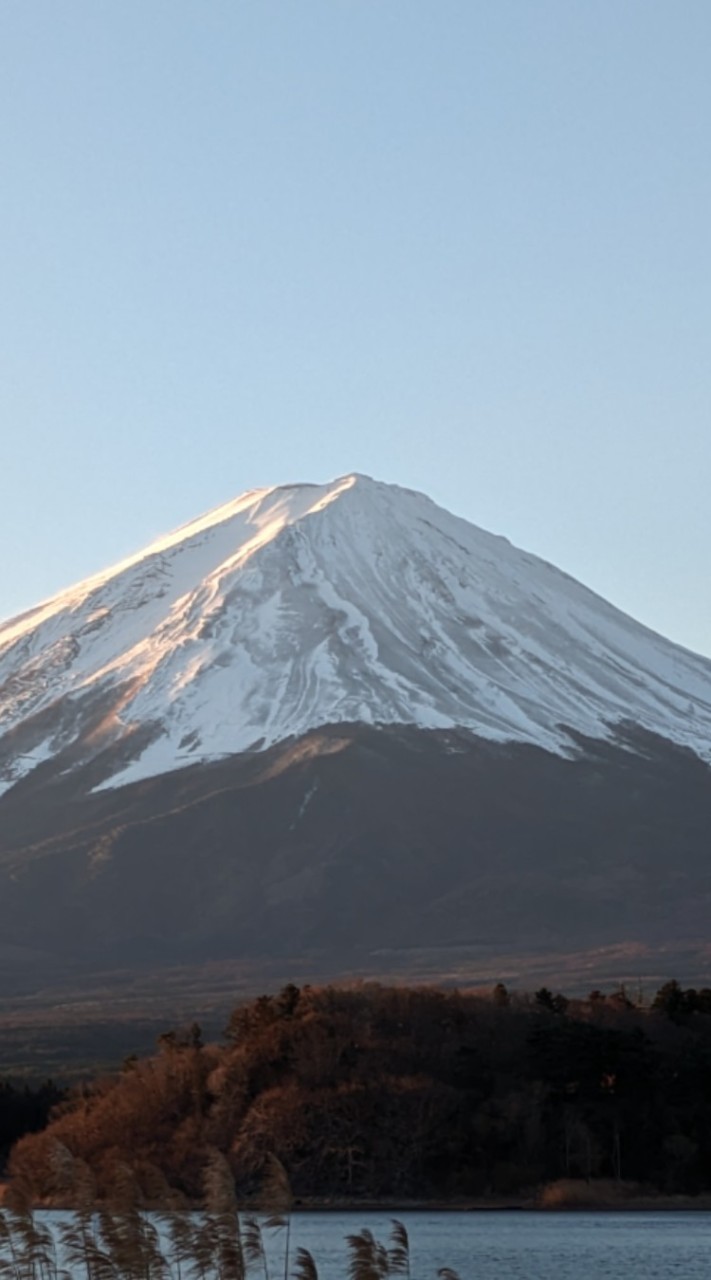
(355, 601)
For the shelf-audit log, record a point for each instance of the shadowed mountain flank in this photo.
(353, 844)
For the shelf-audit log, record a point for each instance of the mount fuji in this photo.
(297, 607)
(337, 729)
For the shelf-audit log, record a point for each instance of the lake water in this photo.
(525, 1246)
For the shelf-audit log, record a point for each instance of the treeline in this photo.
(397, 1092)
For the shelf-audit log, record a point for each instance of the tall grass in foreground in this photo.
(147, 1231)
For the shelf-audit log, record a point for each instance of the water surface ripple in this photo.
(525, 1246)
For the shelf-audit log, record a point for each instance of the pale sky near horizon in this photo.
(462, 246)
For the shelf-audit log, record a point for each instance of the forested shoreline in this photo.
(374, 1092)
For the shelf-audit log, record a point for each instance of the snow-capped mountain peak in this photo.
(298, 606)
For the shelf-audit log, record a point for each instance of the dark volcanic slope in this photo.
(354, 841)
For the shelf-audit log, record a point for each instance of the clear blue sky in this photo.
(458, 244)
